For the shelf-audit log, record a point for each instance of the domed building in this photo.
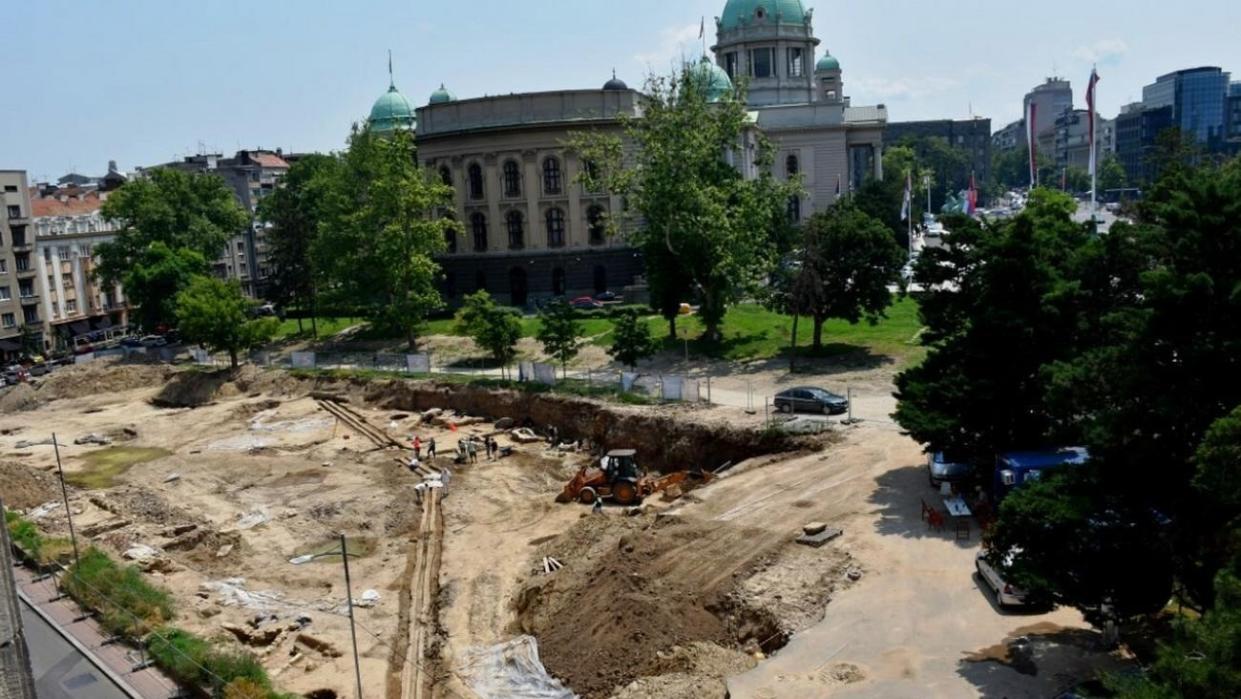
(532, 231)
(392, 112)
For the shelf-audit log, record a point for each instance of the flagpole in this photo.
(1094, 151)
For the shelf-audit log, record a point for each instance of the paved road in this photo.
(60, 671)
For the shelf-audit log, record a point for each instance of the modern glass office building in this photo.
(1199, 101)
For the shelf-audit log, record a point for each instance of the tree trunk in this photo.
(300, 329)
(314, 316)
(818, 333)
(793, 348)
(672, 326)
(232, 356)
(412, 338)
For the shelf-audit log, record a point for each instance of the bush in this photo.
(196, 662)
(181, 654)
(41, 549)
(127, 604)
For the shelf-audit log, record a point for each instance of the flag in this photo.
(907, 203)
(971, 199)
(1090, 105)
(1032, 139)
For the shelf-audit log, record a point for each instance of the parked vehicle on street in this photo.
(154, 341)
(942, 469)
(131, 341)
(809, 399)
(585, 303)
(607, 297)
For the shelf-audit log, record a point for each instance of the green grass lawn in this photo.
(327, 327)
(750, 332)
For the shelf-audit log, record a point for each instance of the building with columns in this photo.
(531, 231)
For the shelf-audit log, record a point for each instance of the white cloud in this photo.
(900, 88)
(1102, 51)
(675, 43)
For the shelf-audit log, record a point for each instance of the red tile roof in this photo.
(49, 206)
(270, 160)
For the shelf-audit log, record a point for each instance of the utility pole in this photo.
(64, 492)
(16, 678)
(353, 632)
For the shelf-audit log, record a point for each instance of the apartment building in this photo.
(19, 297)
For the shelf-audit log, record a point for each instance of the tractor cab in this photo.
(621, 465)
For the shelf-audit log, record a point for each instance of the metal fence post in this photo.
(708, 390)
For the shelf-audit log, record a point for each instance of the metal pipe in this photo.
(353, 632)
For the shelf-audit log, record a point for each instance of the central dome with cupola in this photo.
(738, 13)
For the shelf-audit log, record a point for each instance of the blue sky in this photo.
(145, 81)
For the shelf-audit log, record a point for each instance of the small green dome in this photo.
(739, 13)
(828, 62)
(712, 78)
(391, 112)
(442, 95)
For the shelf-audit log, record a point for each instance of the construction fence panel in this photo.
(545, 374)
(418, 363)
(302, 360)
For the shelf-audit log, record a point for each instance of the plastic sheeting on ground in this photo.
(510, 670)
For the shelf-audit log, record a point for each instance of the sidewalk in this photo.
(115, 660)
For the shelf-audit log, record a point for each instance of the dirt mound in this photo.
(613, 614)
(25, 487)
(20, 397)
(192, 388)
(96, 378)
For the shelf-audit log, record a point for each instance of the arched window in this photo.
(450, 241)
(555, 228)
(446, 175)
(601, 279)
(558, 283)
(792, 166)
(516, 230)
(594, 221)
(551, 176)
(512, 179)
(478, 224)
(795, 209)
(476, 181)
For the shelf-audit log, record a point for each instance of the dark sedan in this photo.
(807, 399)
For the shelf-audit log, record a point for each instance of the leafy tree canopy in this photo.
(632, 340)
(560, 333)
(157, 274)
(213, 313)
(493, 327)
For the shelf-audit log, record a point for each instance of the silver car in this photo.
(1006, 595)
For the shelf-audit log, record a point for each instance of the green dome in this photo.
(711, 77)
(828, 62)
(442, 95)
(391, 112)
(746, 12)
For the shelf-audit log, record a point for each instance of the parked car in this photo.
(585, 303)
(40, 369)
(154, 341)
(1007, 596)
(808, 399)
(607, 297)
(131, 341)
(945, 469)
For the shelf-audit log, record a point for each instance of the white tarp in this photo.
(418, 363)
(525, 371)
(510, 670)
(689, 391)
(545, 374)
(200, 355)
(627, 380)
(84, 358)
(303, 360)
(672, 387)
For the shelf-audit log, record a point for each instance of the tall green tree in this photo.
(560, 334)
(493, 327)
(157, 274)
(680, 170)
(214, 313)
(990, 331)
(1111, 174)
(381, 230)
(294, 212)
(848, 260)
(631, 339)
(191, 212)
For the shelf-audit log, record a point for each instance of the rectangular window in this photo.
(730, 64)
(25, 290)
(71, 306)
(31, 314)
(15, 211)
(797, 63)
(8, 320)
(4, 266)
(5, 294)
(760, 63)
(63, 253)
(67, 280)
(10, 188)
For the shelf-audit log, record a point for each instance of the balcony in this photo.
(27, 299)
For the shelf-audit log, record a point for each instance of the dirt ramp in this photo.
(614, 614)
(94, 379)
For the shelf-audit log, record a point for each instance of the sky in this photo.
(148, 81)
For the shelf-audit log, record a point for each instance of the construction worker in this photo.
(414, 462)
(431, 448)
(417, 446)
(598, 508)
(473, 451)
